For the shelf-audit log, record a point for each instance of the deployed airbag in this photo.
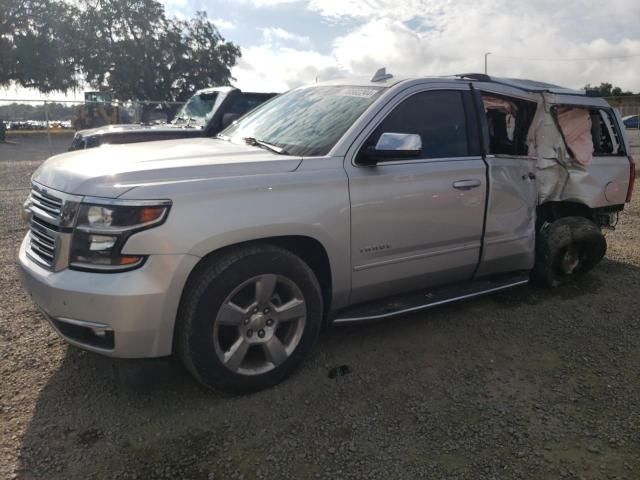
(493, 103)
(575, 124)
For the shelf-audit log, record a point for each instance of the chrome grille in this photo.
(43, 244)
(43, 235)
(47, 202)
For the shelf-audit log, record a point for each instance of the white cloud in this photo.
(458, 37)
(438, 37)
(267, 68)
(224, 24)
(270, 3)
(277, 34)
(398, 10)
(451, 37)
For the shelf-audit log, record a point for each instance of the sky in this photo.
(287, 43)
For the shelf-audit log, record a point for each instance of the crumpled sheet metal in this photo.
(559, 177)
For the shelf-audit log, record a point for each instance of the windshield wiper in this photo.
(267, 146)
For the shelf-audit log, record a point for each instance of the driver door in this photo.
(417, 222)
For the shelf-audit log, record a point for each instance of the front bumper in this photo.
(127, 315)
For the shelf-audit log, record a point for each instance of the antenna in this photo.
(485, 61)
(381, 75)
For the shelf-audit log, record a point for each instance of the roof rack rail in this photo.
(481, 77)
(521, 84)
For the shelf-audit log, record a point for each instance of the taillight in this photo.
(632, 178)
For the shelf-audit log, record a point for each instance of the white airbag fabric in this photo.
(576, 128)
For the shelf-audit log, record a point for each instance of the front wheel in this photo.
(248, 318)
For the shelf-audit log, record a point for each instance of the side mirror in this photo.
(392, 146)
(228, 119)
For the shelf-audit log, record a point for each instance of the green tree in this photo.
(35, 36)
(606, 90)
(134, 49)
(129, 46)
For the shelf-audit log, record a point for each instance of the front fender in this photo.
(212, 214)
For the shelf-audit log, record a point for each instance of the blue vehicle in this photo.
(631, 121)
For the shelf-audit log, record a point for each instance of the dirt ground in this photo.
(528, 383)
(21, 146)
(634, 140)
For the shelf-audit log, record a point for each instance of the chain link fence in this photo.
(33, 130)
(19, 114)
(629, 106)
(46, 127)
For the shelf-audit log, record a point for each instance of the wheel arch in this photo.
(550, 211)
(309, 249)
(603, 217)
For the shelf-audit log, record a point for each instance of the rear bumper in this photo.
(128, 315)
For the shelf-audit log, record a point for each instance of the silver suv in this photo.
(332, 203)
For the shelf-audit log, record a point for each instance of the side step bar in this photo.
(417, 301)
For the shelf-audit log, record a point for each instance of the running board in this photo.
(417, 301)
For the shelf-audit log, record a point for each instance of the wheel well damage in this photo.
(604, 217)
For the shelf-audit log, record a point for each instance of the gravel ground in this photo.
(528, 383)
(634, 139)
(23, 145)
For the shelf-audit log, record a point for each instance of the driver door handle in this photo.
(466, 184)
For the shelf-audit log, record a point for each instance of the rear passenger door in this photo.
(509, 239)
(418, 222)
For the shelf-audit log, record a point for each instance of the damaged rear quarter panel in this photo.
(601, 183)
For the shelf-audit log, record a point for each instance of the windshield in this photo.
(306, 121)
(197, 110)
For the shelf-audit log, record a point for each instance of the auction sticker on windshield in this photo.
(357, 92)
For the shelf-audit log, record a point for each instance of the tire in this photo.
(241, 327)
(568, 247)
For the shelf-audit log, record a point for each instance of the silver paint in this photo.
(429, 223)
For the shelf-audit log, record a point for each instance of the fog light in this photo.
(98, 331)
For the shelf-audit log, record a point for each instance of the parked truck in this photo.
(206, 113)
(337, 202)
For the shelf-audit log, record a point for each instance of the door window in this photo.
(437, 116)
(604, 134)
(597, 126)
(508, 121)
(244, 103)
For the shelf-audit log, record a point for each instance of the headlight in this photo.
(103, 228)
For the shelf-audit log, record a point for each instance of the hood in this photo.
(111, 170)
(134, 127)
